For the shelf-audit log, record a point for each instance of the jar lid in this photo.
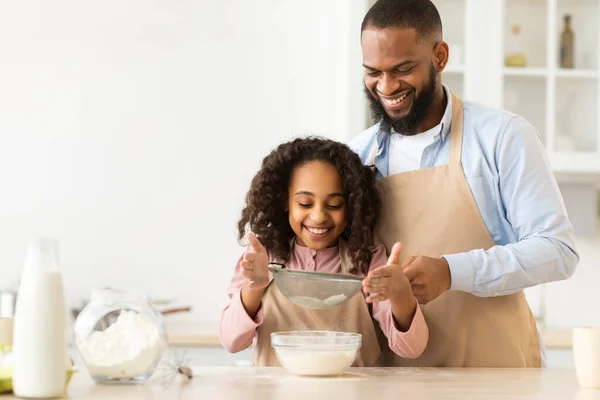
(110, 296)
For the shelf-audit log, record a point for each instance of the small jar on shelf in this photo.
(514, 55)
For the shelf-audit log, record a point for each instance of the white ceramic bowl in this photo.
(316, 353)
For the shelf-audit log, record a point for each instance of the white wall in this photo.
(130, 130)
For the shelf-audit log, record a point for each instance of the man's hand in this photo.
(429, 277)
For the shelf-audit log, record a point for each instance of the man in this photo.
(466, 189)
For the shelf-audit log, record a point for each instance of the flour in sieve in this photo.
(313, 302)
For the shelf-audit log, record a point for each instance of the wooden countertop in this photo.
(193, 334)
(358, 383)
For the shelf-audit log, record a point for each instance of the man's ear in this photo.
(441, 53)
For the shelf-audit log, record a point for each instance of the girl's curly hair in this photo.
(266, 201)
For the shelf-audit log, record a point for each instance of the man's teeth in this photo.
(318, 231)
(398, 100)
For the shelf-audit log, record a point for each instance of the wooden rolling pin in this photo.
(176, 310)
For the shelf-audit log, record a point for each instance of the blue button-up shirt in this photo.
(517, 195)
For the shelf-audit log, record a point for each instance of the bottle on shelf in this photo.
(567, 45)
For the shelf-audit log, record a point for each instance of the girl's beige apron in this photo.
(281, 315)
(432, 212)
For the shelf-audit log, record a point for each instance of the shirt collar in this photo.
(307, 251)
(447, 117)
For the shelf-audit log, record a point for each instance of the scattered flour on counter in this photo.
(316, 363)
(126, 349)
(313, 302)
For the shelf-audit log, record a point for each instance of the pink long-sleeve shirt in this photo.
(237, 330)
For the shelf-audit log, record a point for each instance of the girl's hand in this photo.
(390, 283)
(255, 264)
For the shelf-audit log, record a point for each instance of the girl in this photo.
(314, 205)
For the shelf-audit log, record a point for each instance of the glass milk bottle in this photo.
(39, 333)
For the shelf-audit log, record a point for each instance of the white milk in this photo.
(39, 333)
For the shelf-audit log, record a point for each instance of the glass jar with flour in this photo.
(120, 337)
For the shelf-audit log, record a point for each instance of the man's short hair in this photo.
(420, 15)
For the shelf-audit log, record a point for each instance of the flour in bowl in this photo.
(316, 362)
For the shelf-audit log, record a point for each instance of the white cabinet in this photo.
(567, 118)
(562, 104)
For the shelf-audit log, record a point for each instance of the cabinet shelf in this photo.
(577, 73)
(559, 73)
(525, 71)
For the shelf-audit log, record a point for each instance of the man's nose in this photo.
(387, 85)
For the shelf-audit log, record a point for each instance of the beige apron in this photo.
(432, 212)
(281, 315)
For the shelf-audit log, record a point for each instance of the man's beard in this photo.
(408, 124)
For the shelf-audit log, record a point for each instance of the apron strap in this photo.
(279, 261)
(456, 130)
(374, 154)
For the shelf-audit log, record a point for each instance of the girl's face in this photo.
(316, 205)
